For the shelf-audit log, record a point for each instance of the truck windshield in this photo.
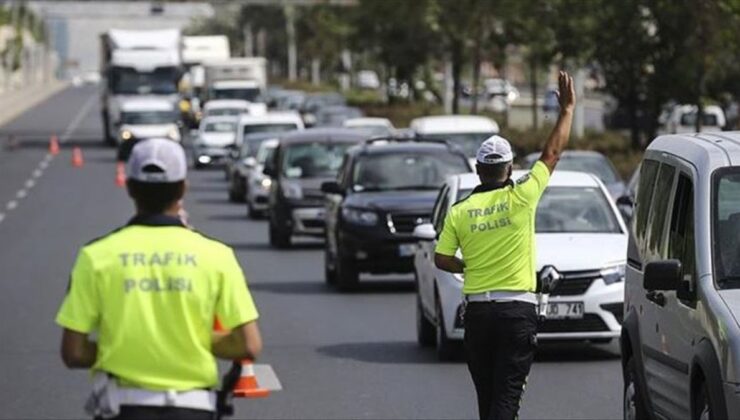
(406, 171)
(726, 226)
(468, 142)
(127, 81)
(313, 160)
(149, 117)
(248, 94)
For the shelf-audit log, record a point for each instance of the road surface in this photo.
(337, 355)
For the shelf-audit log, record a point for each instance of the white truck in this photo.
(196, 51)
(237, 78)
(136, 63)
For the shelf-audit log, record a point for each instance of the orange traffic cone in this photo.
(246, 386)
(53, 145)
(77, 160)
(121, 176)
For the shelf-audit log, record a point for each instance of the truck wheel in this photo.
(446, 348)
(634, 406)
(279, 238)
(425, 333)
(347, 275)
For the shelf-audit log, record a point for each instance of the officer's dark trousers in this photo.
(499, 347)
(131, 412)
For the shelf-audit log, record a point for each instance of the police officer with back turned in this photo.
(150, 291)
(494, 230)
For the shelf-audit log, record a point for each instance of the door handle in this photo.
(656, 297)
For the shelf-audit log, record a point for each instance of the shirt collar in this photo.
(482, 188)
(155, 220)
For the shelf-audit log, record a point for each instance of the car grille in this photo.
(405, 223)
(575, 283)
(589, 323)
(313, 224)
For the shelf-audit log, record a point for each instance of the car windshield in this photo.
(248, 94)
(468, 142)
(405, 171)
(264, 153)
(251, 129)
(220, 127)
(127, 81)
(313, 160)
(596, 165)
(148, 117)
(229, 112)
(571, 210)
(689, 119)
(726, 226)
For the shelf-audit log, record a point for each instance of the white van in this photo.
(682, 119)
(681, 332)
(148, 117)
(465, 131)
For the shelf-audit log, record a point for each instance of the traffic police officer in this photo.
(494, 230)
(151, 291)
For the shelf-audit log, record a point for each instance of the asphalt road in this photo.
(337, 355)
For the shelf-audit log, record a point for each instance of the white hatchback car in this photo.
(579, 232)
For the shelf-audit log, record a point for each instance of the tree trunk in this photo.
(476, 67)
(634, 122)
(456, 74)
(533, 86)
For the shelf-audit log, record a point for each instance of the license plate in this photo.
(406, 250)
(565, 310)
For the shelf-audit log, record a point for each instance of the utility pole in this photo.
(289, 11)
(248, 40)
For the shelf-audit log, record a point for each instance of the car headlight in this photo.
(292, 191)
(266, 182)
(359, 217)
(173, 134)
(126, 135)
(613, 274)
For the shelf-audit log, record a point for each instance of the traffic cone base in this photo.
(246, 386)
(120, 175)
(77, 160)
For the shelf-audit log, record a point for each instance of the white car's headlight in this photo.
(292, 191)
(614, 274)
(359, 216)
(266, 183)
(126, 135)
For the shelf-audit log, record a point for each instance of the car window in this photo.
(220, 127)
(726, 228)
(442, 201)
(659, 212)
(225, 112)
(313, 160)
(596, 165)
(575, 210)
(412, 170)
(149, 117)
(649, 170)
(468, 142)
(689, 119)
(681, 232)
(265, 153)
(267, 128)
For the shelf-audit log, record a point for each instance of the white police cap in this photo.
(493, 150)
(157, 160)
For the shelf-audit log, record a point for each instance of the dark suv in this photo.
(301, 163)
(383, 191)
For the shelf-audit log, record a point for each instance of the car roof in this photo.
(557, 179)
(226, 103)
(570, 153)
(441, 124)
(368, 121)
(327, 134)
(271, 117)
(404, 146)
(147, 104)
(707, 151)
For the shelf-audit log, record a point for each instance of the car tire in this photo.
(278, 238)
(347, 275)
(703, 408)
(425, 333)
(633, 404)
(330, 269)
(446, 348)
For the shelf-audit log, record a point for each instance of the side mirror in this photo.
(662, 275)
(425, 232)
(332, 187)
(250, 162)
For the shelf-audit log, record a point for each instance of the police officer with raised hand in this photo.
(150, 291)
(494, 230)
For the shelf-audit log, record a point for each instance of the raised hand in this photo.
(566, 92)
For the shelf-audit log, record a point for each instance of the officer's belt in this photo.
(198, 399)
(502, 296)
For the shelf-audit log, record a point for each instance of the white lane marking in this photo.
(78, 118)
(267, 378)
(44, 163)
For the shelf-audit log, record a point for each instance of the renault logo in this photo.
(548, 279)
